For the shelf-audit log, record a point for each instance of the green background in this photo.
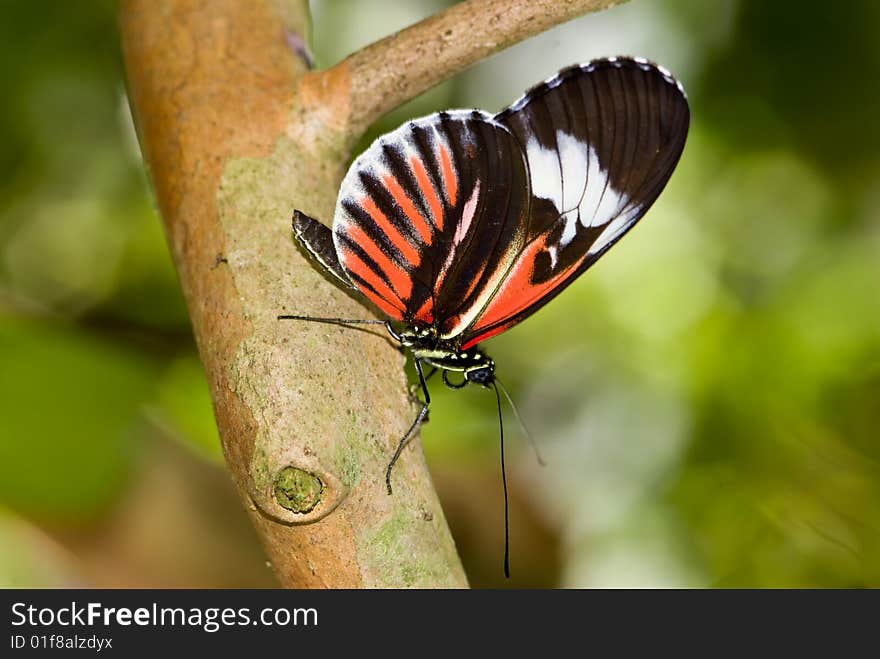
(707, 397)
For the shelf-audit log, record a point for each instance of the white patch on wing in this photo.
(583, 194)
(544, 172)
(573, 157)
(467, 214)
(614, 229)
(574, 181)
(569, 231)
(589, 199)
(601, 202)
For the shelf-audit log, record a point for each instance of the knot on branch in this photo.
(297, 490)
(294, 492)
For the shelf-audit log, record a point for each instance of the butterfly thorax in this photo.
(429, 348)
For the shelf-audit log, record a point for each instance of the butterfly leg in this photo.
(415, 425)
(414, 387)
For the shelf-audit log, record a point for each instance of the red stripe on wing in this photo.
(399, 279)
(384, 297)
(425, 314)
(516, 293)
(409, 208)
(428, 191)
(449, 180)
(408, 252)
(486, 335)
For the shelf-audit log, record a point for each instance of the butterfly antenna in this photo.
(522, 424)
(333, 321)
(346, 322)
(504, 484)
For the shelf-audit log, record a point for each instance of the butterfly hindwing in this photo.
(430, 217)
(601, 141)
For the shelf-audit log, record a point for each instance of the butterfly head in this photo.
(482, 372)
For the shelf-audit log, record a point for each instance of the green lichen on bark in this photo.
(402, 564)
(298, 490)
(348, 465)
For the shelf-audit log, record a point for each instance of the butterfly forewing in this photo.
(601, 141)
(430, 218)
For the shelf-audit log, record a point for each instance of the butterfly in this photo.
(461, 224)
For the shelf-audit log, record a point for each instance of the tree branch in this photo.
(403, 65)
(237, 133)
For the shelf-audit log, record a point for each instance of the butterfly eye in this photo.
(481, 375)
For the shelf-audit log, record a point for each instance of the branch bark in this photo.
(403, 65)
(236, 133)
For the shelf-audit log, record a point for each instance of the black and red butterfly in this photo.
(461, 224)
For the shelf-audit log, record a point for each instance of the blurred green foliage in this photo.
(707, 397)
(71, 402)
